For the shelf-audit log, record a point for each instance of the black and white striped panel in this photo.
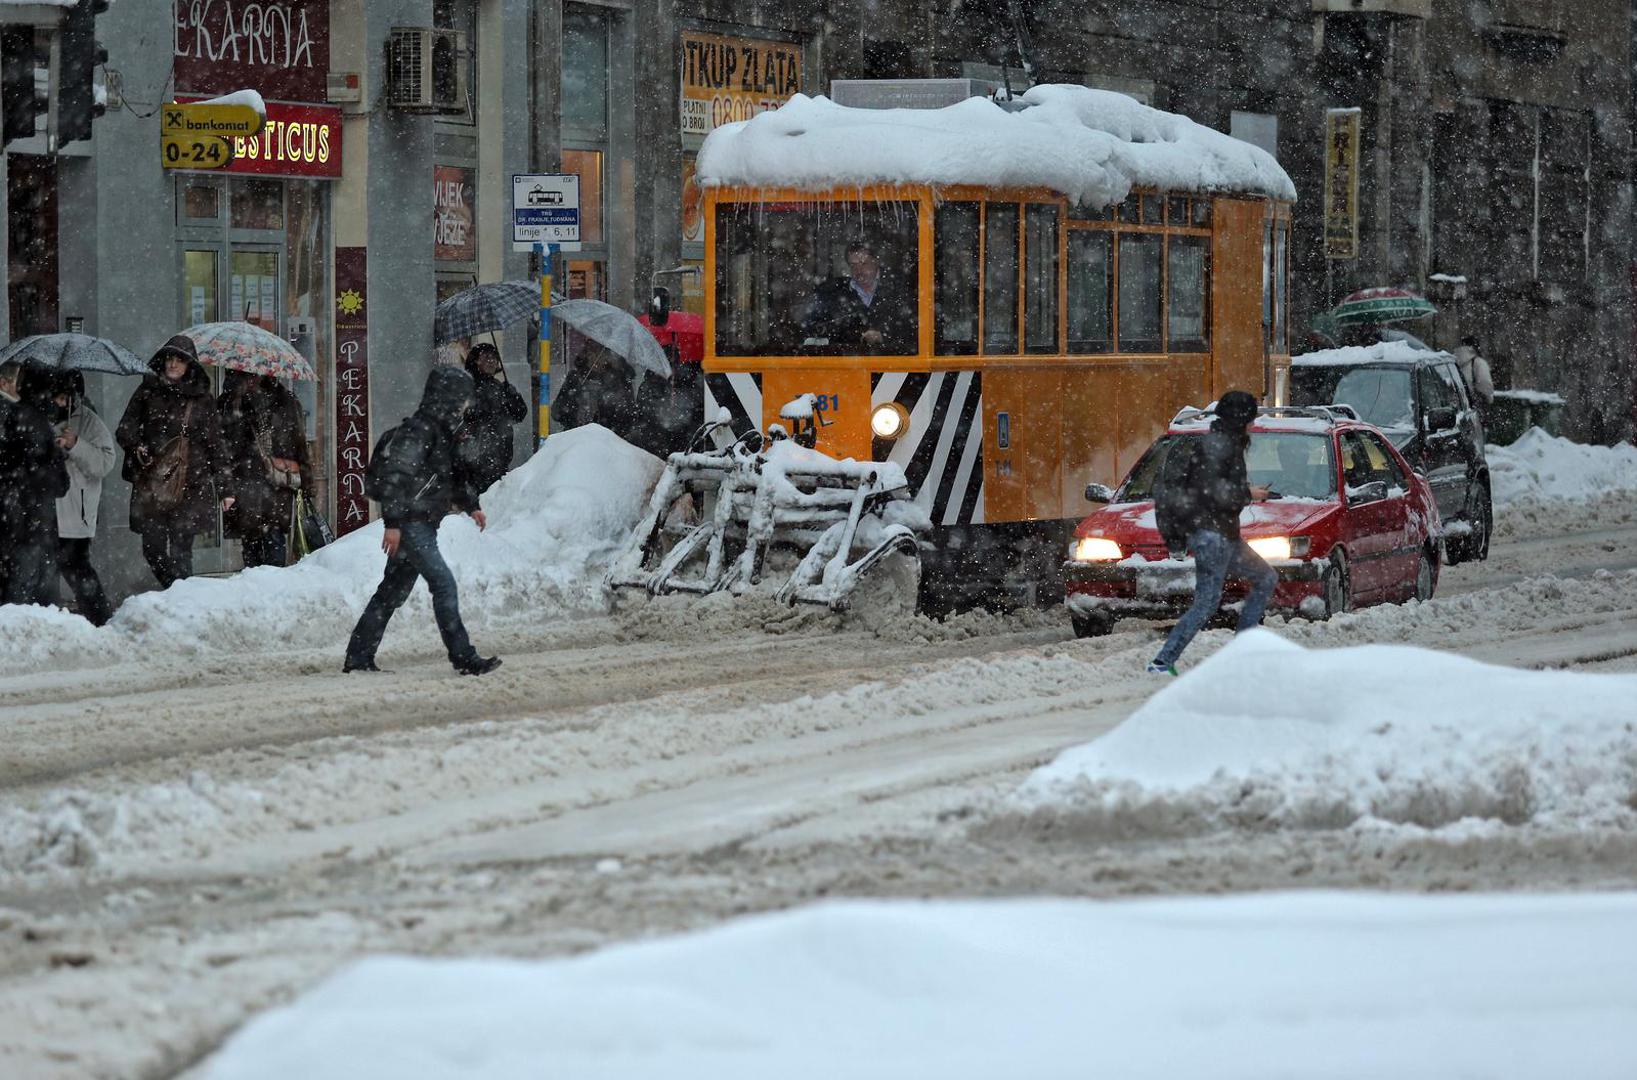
(741, 393)
(942, 454)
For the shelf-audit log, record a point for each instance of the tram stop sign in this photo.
(200, 136)
(545, 209)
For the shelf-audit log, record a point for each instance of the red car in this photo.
(1347, 523)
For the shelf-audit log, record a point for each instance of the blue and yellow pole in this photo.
(546, 252)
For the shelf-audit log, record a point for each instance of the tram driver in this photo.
(861, 310)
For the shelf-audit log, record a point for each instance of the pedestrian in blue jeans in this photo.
(413, 474)
(1201, 492)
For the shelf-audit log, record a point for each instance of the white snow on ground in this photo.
(1092, 145)
(1268, 734)
(554, 522)
(1316, 985)
(1544, 467)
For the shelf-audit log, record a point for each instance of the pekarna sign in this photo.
(296, 141)
(281, 48)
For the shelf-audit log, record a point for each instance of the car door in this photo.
(1364, 521)
(1400, 553)
(1443, 459)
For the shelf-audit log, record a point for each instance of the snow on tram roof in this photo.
(1093, 146)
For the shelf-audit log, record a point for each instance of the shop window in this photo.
(1040, 278)
(1139, 291)
(588, 165)
(253, 287)
(1187, 278)
(199, 281)
(199, 200)
(955, 303)
(1091, 291)
(257, 204)
(585, 69)
(1000, 258)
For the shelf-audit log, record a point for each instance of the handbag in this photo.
(165, 481)
(309, 530)
(283, 474)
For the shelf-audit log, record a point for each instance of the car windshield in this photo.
(1295, 465)
(1380, 396)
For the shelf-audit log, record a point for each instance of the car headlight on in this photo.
(889, 420)
(1095, 549)
(1282, 547)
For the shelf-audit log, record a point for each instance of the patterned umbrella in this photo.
(240, 346)
(78, 352)
(484, 308)
(1382, 305)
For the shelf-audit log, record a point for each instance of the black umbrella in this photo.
(75, 352)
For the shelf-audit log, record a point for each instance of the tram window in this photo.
(1153, 210)
(1090, 212)
(1000, 279)
(1040, 278)
(956, 303)
(1201, 209)
(1091, 297)
(1176, 211)
(1187, 284)
(1139, 292)
(817, 279)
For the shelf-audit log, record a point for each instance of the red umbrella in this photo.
(682, 329)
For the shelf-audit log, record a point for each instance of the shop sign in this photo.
(728, 78)
(352, 445)
(296, 141)
(454, 217)
(1341, 139)
(280, 48)
(693, 203)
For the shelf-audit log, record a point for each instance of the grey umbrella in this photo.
(484, 308)
(78, 352)
(614, 329)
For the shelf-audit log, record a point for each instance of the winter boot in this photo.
(478, 665)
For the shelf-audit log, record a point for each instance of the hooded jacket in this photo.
(1208, 488)
(419, 477)
(90, 459)
(32, 472)
(486, 434)
(160, 411)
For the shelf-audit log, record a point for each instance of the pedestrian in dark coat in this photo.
(486, 434)
(89, 447)
(413, 474)
(171, 424)
(1198, 508)
(597, 390)
(33, 476)
(265, 434)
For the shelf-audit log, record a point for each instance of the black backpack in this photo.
(382, 468)
(1175, 499)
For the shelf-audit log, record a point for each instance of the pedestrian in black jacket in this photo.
(413, 475)
(486, 435)
(1197, 508)
(33, 476)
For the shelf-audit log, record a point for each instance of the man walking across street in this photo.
(32, 477)
(413, 475)
(1201, 492)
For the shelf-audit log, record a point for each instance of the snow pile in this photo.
(1544, 467)
(1382, 352)
(554, 522)
(1318, 985)
(1266, 734)
(1094, 146)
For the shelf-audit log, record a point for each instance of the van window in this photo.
(955, 302)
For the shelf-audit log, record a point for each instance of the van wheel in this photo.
(1426, 575)
(1089, 626)
(1335, 587)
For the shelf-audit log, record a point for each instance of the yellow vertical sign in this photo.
(1341, 139)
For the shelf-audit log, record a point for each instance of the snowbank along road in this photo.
(187, 839)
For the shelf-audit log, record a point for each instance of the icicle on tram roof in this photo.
(1093, 146)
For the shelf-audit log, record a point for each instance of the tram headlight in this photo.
(889, 420)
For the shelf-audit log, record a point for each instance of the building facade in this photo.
(1493, 166)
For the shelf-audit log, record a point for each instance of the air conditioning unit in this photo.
(427, 70)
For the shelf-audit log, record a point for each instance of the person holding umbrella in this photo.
(89, 449)
(32, 474)
(265, 435)
(486, 433)
(174, 459)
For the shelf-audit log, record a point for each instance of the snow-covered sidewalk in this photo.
(1542, 467)
(1317, 985)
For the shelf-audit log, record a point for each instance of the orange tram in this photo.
(1026, 343)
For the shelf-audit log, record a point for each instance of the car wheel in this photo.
(1426, 575)
(1335, 588)
(1480, 520)
(1089, 626)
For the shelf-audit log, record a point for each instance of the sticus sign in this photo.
(281, 47)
